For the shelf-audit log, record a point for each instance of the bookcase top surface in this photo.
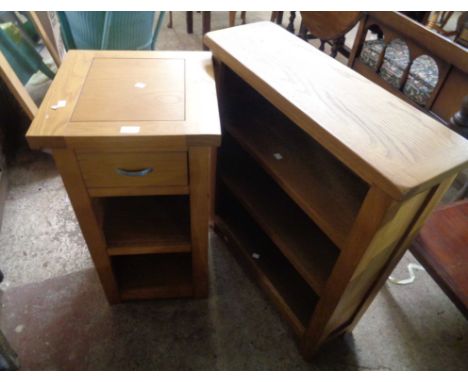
(380, 137)
(113, 95)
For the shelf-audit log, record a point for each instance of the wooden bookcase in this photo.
(323, 178)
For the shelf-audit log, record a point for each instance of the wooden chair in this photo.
(277, 17)
(11, 80)
(329, 27)
(44, 28)
(413, 62)
(442, 248)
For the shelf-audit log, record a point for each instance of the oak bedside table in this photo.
(132, 134)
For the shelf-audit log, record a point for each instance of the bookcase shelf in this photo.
(322, 173)
(294, 299)
(298, 164)
(310, 252)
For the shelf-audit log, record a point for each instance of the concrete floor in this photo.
(55, 315)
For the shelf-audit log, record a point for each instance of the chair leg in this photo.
(336, 46)
(189, 18)
(232, 18)
(292, 17)
(277, 17)
(206, 16)
(303, 31)
(170, 24)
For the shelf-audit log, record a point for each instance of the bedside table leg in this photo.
(67, 165)
(200, 190)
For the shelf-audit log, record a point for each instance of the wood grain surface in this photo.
(175, 103)
(380, 137)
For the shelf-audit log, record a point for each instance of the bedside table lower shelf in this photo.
(153, 276)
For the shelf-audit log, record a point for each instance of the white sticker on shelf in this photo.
(129, 129)
(256, 255)
(140, 85)
(277, 156)
(59, 104)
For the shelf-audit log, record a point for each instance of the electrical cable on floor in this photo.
(411, 268)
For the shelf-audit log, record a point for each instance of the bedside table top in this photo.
(149, 99)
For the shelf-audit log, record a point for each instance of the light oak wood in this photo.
(121, 90)
(137, 191)
(85, 122)
(67, 165)
(200, 189)
(434, 197)
(291, 295)
(102, 169)
(9, 77)
(290, 125)
(133, 141)
(389, 143)
(354, 271)
(306, 247)
(140, 225)
(302, 166)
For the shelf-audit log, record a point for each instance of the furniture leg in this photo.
(232, 18)
(292, 17)
(69, 169)
(189, 18)
(200, 196)
(206, 15)
(170, 24)
(243, 16)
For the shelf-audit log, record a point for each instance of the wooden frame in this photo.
(13, 83)
(46, 33)
(319, 192)
(451, 59)
(141, 197)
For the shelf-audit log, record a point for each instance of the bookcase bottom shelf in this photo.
(154, 276)
(294, 299)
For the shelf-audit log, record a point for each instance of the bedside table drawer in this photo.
(133, 169)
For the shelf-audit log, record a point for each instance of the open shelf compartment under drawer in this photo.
(146, 224)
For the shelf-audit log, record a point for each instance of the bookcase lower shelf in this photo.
(293, 297)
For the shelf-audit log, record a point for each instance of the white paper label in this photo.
(129, 129)
(140, 85)
(278, 156)
(59, 104)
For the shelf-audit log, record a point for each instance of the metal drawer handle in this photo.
(142, 172)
